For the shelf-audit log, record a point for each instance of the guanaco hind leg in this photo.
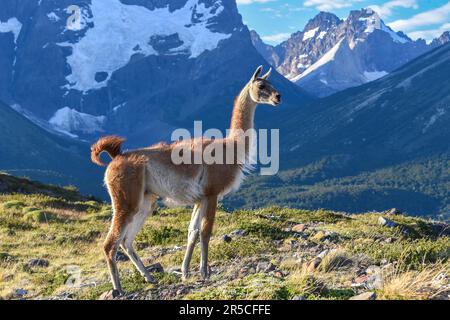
(132, 230)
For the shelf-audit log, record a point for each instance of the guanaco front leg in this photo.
(193, 234)
(205, 236)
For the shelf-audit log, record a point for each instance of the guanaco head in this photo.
(262, 91)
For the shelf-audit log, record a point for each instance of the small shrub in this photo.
(265, 230)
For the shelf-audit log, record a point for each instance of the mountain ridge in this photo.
(362, 43)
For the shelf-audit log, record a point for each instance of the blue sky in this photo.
(275, 20)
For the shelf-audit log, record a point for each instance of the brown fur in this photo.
(111, 145)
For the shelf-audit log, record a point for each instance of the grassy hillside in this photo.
(50, 247)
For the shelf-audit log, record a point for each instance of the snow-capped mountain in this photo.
(132, 67)
(330, 54)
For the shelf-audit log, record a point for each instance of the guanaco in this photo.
(137, 179)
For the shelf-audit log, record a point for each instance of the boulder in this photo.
(385, 222)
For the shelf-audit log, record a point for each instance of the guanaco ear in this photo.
(264, 77)
(257, 73)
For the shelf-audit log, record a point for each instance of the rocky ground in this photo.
(50, 248)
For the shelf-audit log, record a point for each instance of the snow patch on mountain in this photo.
(374, 75)
(393, 35)
(310, 34)
(329, 56)
(374, 22)
(120, 31)
(12, 25)
(67, 120)
(322, 34)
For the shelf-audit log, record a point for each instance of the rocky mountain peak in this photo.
(364, 21)
(443, 39)
(323, 21)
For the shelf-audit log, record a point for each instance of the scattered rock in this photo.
(20, 292)
(155, 268)
(121, 257)
(298, 228)
(38, 263)
(6, 257)
(299, 298)
(175, 271)
(182, 291)
(323, 254)
(393, 212)
(238, 233)
(365, 296)
(385, 222)
(265, 266)
(368, 282)
(271, 267)
(226, 238)
(373, 269)
(64, 296)
(360, 281)
(109, 295)
(279, 274)
(312, 265)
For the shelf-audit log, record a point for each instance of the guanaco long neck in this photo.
(243, 113)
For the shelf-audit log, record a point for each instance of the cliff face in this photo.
(136, 67)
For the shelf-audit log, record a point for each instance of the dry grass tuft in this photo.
(431, 282)
(303, 283)
(335, 260)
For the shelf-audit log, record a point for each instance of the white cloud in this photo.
(440, 15)
(429, 34)
(328, 5)
(276, 38)
(386, 9)
(245, 2)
